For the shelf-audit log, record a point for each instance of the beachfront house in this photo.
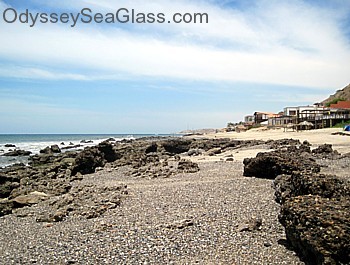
(249, 119)
(261, 117)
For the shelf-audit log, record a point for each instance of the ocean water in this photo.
(37, 142)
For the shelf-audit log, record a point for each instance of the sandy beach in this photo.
(213, 216)
(314, 137)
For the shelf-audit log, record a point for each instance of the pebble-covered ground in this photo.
(194, 218)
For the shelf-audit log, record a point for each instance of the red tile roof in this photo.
(341, 105)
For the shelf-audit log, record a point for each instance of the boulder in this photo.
(187, 166)
(271, 164)
(325, 151)
(318, 228)
(176, 146)
(10, 145)
(305, 183)
(107, 151)
(87, 161)
(54, 149)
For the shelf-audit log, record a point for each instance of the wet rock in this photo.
(10, 145)
(18, 153)
(71, 146)
(86, 141)
(318, 228)
(54, 149)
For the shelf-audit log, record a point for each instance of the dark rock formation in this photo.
(176, 146)
(86, 141)
(54, 149)
(304, 183)
(318, 228)
(187, 166)
(325, 151)
(315, 208)
(270, 165)
(87, 161)
(10, 145)
(71, 146)
(18, 153)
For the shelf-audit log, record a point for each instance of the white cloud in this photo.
(37, 73)
(279, 43)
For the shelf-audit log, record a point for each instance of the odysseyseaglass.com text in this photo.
(87, 16)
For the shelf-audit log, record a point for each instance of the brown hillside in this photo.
(342, 93)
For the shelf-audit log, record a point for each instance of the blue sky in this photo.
(163, 78)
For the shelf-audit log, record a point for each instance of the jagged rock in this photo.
(304, 183)
(176, 146)
(107, 151)
(152, 148)
(276, 144)
(187, 166)
(318, 228)
(18, 153)
(326, 151)
(87, 161)
(325, 148)
(54, 149)
(271, 164)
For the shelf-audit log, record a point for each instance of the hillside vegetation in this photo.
(342, 94)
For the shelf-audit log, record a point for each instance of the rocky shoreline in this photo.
(95, 184)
